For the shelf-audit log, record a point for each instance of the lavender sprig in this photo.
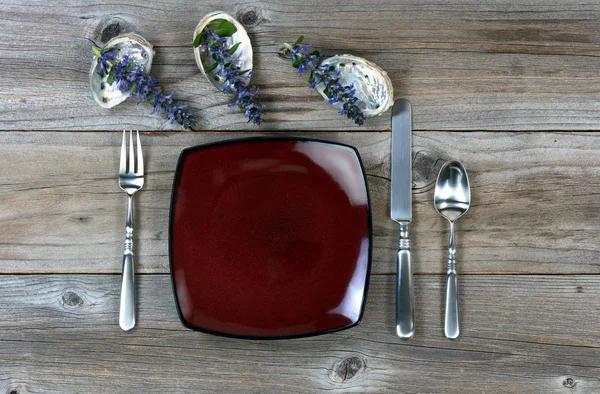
(225, 69)
(130, 76)
(303, 59)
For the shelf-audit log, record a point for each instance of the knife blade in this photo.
(401, 212)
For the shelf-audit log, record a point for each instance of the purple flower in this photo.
(130, 76)
(234, 79)
(328, 77)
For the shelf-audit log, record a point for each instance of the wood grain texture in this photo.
(464, 66)
(519, 334)
(534, 198)
(477, 74)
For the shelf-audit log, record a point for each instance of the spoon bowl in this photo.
(452, 191)
(452, 199)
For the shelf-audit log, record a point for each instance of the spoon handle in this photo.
(451, 328)
(405, 326)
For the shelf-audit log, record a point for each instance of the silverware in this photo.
(452, 199)
(131, 179)
(401, 212)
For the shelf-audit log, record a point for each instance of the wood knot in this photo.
(569, 383)
(72, 299)
(13, 392)
(285, 53)
(579, 289)
(111, 30)
(426, 166)
(249, 17)
(348, 368)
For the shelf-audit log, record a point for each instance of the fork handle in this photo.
(127, 305)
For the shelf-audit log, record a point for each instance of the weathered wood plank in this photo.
(534, 201)
(467, 66)
(519, 334)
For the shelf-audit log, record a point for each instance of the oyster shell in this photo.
(138, 49)
(243, 52)
(373, 86)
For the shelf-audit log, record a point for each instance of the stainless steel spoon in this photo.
(452, 199)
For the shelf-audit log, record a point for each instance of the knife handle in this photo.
(405, 311)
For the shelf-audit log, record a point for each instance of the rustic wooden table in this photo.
(509, 89)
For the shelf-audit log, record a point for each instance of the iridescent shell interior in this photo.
(138, 49)
(373, 86)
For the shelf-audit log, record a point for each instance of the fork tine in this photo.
(140, 158)
(131, 157)
(123, 166)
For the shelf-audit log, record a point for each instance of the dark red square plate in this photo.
(270, 237)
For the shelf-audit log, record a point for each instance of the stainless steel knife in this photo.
(401, 212)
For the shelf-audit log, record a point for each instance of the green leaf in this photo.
(111, 76)
(211, 67)
(215, 24)
(222, 27)
(227, 29)
(296, 63)
(244, 72)
(311, 80)
(299, 40)
(197, 40)
(315, 53)
(96, 51)
(234, 48)
(107, 50)
(328, 93)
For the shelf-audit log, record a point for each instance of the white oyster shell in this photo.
(138, 49)
(373, 86)
(243, 52)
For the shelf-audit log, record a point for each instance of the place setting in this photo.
(299, 197)
(271, 237)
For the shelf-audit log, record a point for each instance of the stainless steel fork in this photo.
(131, 179)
